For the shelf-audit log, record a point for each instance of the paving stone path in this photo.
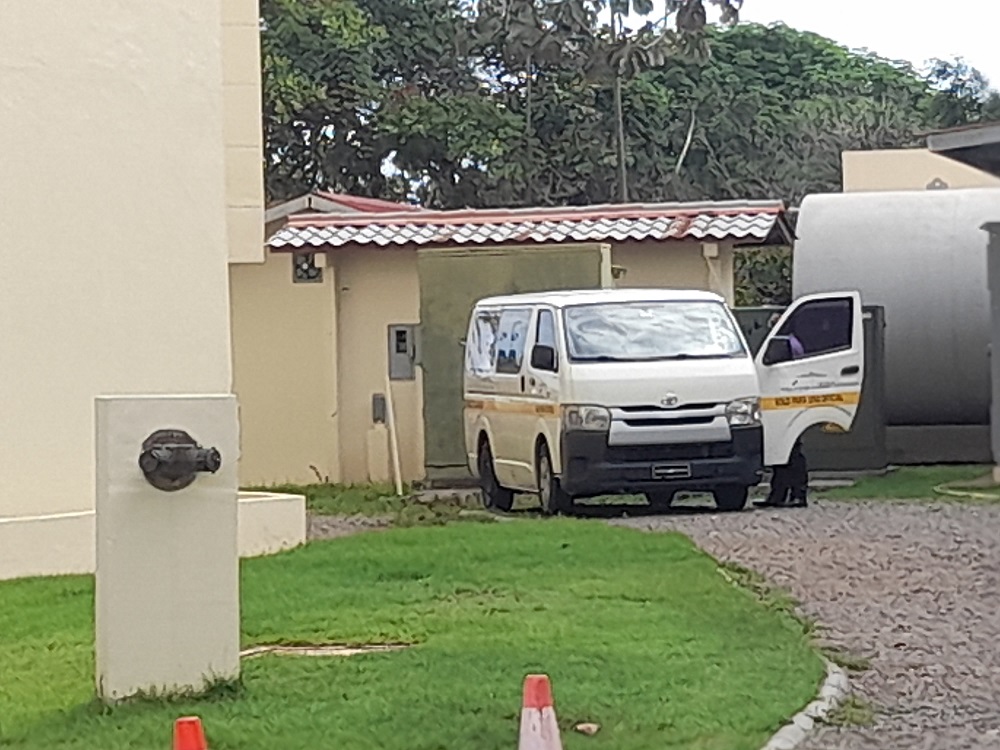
(913, 586)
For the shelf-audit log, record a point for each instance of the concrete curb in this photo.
(832, 693)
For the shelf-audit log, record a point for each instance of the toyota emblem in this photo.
(669, 401)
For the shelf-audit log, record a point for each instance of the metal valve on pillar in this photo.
(171, 460)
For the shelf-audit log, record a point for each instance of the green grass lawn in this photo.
(907, 483)
(639, 632)
(346, 500)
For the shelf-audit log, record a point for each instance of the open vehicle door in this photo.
(810, 368)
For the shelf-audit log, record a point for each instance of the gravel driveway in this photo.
(913, 586)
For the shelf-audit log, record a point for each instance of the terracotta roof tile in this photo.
(747, 221)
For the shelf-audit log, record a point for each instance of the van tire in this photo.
(731, 497)
(495, 497)
(550, 492)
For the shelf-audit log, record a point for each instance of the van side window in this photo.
(481, 345)
(546, 333)
(511, 338)
(822, 327)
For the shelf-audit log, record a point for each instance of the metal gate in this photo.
(451, 281)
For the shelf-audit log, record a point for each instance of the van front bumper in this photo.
(591, 467)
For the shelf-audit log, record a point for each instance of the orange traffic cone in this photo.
(539, 729)
(189, 734)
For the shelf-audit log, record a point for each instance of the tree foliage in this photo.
(319, 63)
(773, 109)
(411, 68)
(455, 103)
(512, 102)
(962, 94)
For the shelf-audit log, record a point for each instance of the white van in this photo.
(576, 394)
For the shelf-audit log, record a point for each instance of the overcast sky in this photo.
(894, 29)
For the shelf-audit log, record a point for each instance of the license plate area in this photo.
(664, 472)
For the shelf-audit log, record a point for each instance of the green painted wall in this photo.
(451, 281)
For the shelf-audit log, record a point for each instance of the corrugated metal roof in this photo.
(975, 145)
(987, 124)
(741, 221)
(326, 202)
(359, 204)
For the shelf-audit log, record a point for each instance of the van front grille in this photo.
(667, 422)
(680, 452)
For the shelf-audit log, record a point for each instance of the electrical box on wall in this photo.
(402, 352)
(379, 410)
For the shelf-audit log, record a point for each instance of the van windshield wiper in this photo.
(663, 358)
(683, 355)
(602, 358)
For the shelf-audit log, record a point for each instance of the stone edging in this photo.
(831, 694)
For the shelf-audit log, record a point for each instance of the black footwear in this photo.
(798, 502)
(770, 503)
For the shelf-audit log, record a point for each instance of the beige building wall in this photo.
(285, 378)
(115, 239)
(676, 265)
(242, 130)
(376, 288)
(908, 169)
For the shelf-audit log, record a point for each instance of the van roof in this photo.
(569, 297)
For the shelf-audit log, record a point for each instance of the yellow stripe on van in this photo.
(811, 400)
(513, 407)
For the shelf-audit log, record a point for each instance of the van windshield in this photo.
(648, 331)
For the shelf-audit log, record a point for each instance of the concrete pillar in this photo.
(607, 266)
(331, 273)
(167, 586)
(993, 283)
(718, 260)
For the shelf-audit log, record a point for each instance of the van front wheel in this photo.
(494, 496)
(731, 497)
(550, 493)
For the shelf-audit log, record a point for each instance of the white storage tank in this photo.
(922, 256)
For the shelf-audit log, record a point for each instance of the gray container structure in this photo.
(921, 256)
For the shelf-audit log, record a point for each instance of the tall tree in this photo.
(772, 111)
(679, 34)
(513, 103)
(319, 85)
(568, 35)
(963, 94)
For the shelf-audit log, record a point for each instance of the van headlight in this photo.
(586, 418)
(743, 412)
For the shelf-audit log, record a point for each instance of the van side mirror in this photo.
(779, 349)
(543, 358)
